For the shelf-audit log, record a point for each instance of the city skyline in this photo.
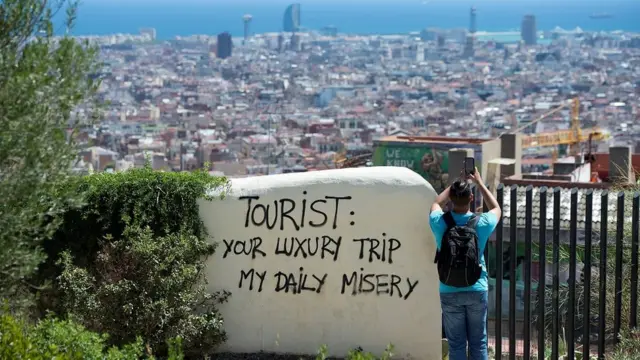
(422, 2)
(191, 17)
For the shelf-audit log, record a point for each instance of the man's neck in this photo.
(461, 210)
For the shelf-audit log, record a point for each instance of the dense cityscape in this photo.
(303, 100)
(276, 187)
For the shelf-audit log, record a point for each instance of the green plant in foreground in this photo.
(66, 340)
(357, 354)
(323, 353)
(148, 286)
(628, 348)
(131, 261)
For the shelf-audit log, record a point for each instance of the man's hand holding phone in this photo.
(475, 177)
(469, 165)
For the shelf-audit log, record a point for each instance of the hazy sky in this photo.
(185, 17)
(425, 2)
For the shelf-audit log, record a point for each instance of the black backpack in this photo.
(459, 257)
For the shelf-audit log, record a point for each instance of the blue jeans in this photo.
(464, 316)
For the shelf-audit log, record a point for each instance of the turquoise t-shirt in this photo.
(486, 224)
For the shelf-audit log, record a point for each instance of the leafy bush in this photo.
(64, 340)
(149, 286)
(131, 260)
(628, 348)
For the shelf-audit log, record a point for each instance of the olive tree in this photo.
(44, 80)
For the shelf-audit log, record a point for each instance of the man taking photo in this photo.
(461, 237)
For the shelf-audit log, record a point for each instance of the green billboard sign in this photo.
(430, 162)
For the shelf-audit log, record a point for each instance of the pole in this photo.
(269, 146)
(182, 157)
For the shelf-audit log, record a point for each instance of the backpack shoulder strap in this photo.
(451, 223)
(473, 221)
(449, 220)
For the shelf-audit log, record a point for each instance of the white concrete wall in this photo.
(288, 279)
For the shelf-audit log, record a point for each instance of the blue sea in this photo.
(187, 17)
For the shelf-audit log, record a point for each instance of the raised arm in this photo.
(488, 197)
(441, 200)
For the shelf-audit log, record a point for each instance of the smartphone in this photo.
(469, 166)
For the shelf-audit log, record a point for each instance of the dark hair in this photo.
(460, 193)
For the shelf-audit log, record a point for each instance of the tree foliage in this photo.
(59, 339)
(132, 260)
(43, 80)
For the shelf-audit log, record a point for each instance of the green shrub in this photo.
(628, 348)
(149, 286)
(131, 261)
(62, 340)
(166, 202)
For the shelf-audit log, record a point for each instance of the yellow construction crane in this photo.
(572, 137)
(339, 158)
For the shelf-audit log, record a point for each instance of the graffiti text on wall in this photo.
(288, 218)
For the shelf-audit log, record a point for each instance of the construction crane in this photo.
(573, 137)
(342, 161)
(339, 158)
(356, 161)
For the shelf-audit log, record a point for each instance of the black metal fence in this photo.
(568, 263)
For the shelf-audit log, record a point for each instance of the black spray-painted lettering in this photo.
(287, 211)
(290, 283)
(251, 276)
(249, 247)
(381, 284)
(305, 247)
(324, 216)
(379, 249)
(335, 211)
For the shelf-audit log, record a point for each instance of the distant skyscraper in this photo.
(294, 44)
(470, 39)
(246, 19)
(473, 26)
(291, 20)
(469, 47)
(528, 30)
(430, 34)
(225, 45)
(280, 43)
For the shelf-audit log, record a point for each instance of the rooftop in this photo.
(433, 140)
(565, 207)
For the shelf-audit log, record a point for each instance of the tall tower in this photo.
(528, 30)
(224, 46)
(280, 43)
(246, 19)
(473, 26)
(291, 19)
(469, 50)
(470, 39)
